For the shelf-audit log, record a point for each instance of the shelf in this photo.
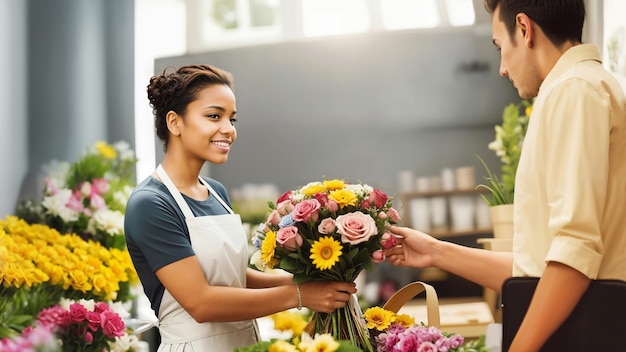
(452, 233)
(440, 193)
(443, 232)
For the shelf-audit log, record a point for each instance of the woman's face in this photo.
(208, 129)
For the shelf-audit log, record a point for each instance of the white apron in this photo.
(220, 244)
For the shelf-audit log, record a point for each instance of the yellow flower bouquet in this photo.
(328, 230)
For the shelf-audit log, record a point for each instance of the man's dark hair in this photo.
(560, 20)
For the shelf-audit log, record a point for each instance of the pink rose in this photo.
(88, 337)
(101, 307)
(77, 312)
(285, 207)
(288, 237)
(393, 214)
(322, 198)
(112, 324)
(378, 256)
(365, 204)
(378, 198)
(327, 226)
(332, 206)
(306, 210)
(93, 321)
(273, 218)
(388, 240)
(355, 227)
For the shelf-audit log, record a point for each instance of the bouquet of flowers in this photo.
(89, 196)
(39, 266)
(508, 147)
(328, 230)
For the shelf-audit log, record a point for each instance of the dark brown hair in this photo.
(560, 20)
(173, 91)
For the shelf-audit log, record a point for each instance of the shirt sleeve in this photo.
(156, 229)
(576, 142)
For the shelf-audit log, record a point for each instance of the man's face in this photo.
(516, 61)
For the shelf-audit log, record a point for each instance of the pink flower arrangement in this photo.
(83, 327)
(398, 338)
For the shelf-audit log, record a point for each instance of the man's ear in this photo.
(172, 120)
(525, 25)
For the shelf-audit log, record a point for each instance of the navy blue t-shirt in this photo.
(156, 231)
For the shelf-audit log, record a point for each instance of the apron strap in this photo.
(212, 191)
(184, 207)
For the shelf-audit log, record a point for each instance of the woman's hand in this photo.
(326, 296)
(414, 248)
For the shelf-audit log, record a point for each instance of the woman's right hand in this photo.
(414, 248)
(326, 296)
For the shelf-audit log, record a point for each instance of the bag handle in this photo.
(406, 293)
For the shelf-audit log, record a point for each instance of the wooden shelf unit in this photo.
(406, 197)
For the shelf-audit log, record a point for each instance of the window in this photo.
(405, 14)
(332, 17)
(460, 12)
(218, 23)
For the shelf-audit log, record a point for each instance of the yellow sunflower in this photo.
(378, 318)
(325, 252)
(333, 185)
(268, 247)
(343, 197)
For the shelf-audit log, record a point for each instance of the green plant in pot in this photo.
(509, 137)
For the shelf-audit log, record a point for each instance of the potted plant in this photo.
(509, 137)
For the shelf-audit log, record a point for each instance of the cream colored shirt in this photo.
(570, 190)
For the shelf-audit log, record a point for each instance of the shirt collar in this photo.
(574, 55)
